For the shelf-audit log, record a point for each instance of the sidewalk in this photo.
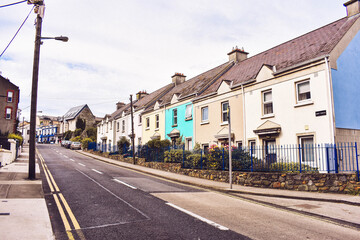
(23, 210)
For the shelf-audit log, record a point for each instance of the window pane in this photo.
(204, 116)
(268, 108)
(267, 96)
(188, 111)
(10, 96)
(224, 116)
(303, 87)
(307, 145)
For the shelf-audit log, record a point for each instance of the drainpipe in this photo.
(244, 114)
(330, 101)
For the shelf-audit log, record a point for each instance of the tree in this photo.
(80, 123)
(123, 144)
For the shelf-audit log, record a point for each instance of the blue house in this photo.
(179, 108)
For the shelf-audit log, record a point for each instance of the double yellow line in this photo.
(59, 198)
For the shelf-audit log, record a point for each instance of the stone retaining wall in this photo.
(315, 182)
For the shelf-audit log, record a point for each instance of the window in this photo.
(303, 91)
(117, 126)
(140, 120)
(10, 96)
(267, 102)
(224, 112)
(123, 126)
(307, 148)
(189, 144)
(175, 117)
(205, 114)
(239, 144)
(157, 124)
(188, 111)
(147, 122)
(205, 148)
(107, 127)
(8, 112)
(252, 146)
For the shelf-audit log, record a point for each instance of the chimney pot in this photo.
(352, 7)
(237, 55)
(178, 78)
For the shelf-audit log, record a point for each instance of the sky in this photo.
(120, 47)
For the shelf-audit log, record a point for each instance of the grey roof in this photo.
(73, 112)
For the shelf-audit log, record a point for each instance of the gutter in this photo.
(330, 100)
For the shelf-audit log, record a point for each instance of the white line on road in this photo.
(72, 159)
(97, 171)
(81, 164)
(199, 217)
(66, 156)
(124, 183)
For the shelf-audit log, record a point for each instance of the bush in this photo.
(68, 135)
(85, 142)
(78, 132)
(214, 158)
(123, 144)
(195, 160)
(291, 167)
(175, 156)
(16, 137)
(92, 133)
(81, 124)
(158, 144)
(76, 139)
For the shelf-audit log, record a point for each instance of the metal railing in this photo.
(324, 158)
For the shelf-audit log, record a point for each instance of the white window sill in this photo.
(156, 129)
(268, 116)
(224, 123)
(147, 129)
(304, 103)
(203, 123)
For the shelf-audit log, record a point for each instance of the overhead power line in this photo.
(11, 4)
(17, 31)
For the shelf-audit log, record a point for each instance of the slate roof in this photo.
(73, 112)
(196, 84)
(312, 45)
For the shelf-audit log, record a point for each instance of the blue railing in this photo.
(326, 158)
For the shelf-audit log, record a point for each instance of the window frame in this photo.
(202, 114)
(157, 121)
(264, 103)
(224, 112)
(117, 126)
(10, 114)
(297, 84)
(123, 126)
(307, 152)
(11, 98)
(147, 122)
(175, 117)
(188, 116)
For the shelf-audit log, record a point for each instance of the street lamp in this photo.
(39, 10)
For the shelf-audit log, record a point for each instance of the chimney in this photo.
(237, 55)
(352, 7)
(178, 78)
(141, 94)
(119, 105)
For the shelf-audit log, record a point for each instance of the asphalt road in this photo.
(100, 201)
(110, 202)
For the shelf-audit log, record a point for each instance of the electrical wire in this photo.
(17, 31)
(11, 4)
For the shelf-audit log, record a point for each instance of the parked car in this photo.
(75, 146)
(67, 144)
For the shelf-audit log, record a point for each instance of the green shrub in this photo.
(175, 155)
(81, 124)
(214, 158)
(68, 135)
(122, 144)
(158, 144)
(291, 167)
(92, 133)
(195, 160)
(16, 137)
(85, 142)
(76, 139)
(78, 132)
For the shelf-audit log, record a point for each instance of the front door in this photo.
(270, 151)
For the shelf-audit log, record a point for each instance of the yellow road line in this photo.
(72, 217)
(47, 170)
(62, 213)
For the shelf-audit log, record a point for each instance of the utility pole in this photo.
(230, 153)
(40, 13)
(132, 129)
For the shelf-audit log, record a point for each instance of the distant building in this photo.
(9, 100)
(24, 129)
(83, 112)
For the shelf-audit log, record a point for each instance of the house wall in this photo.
(147, 133)
(183, 125)
(205, 132)
(8, 125)
(295, 120)
(346, 79)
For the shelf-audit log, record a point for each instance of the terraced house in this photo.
(300, 92)
(9, 100)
